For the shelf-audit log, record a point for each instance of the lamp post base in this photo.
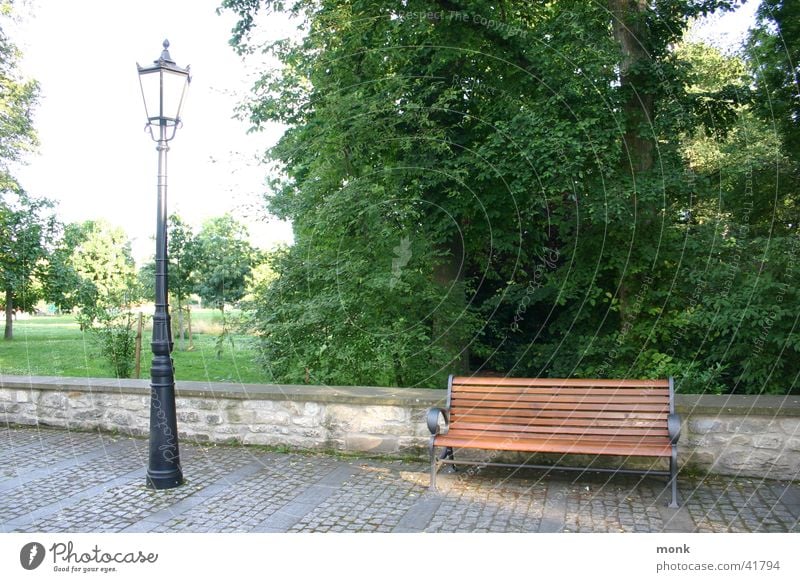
(164, 479)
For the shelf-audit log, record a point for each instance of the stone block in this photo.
(258, 405)
(118, 419)
(26, 395)
(207, 404)
(793, 444)
(89, 414)
(136, 403)
(752, 425)
(768, 442)
(721, 440)
(791, 426)
(306, 421)
(213, 419)
(260, 438)
(188, 416)
(311, 409)
(373, 443)
(236, 415)
(698, 459)
(260, 428)
(704, 425)
(53, 400)
(273, 418)
(226, 430)
(79, 400)
(387, 413)
(752, 462)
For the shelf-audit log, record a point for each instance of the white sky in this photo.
(95, 158)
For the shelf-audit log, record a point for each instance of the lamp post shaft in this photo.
(164, 470)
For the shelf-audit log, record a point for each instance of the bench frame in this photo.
(447, 457)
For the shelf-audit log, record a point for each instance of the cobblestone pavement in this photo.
(57, 481)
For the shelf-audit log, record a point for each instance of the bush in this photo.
(115, 333)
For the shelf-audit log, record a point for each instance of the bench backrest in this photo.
(634, 410)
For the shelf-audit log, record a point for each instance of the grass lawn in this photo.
(55, 346)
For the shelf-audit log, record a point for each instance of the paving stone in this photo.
(61, 481)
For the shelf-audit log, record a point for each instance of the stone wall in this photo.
(756, 436)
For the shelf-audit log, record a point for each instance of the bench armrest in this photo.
(433, 419)
(674, 427)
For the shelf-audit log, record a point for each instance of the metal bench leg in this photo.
(673, 477)
(448, 454)
(434, 464)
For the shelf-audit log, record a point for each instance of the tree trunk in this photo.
(189, 325)
(630, 31)
(181, 335)
(449, 274)
(9, 333)
(636, 69)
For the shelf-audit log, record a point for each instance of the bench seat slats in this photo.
(477, 434)
(573, 414)
(543, 420)
(561, 429)
(488, 381)
(557, 445)
(524, 405)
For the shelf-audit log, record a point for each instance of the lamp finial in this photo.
(165, 53)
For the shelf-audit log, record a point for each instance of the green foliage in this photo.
(182, 251)
(115, 333)
(27, 229)
(224, 260)
(101, 259)
(566, 188)
(183, 257)
(97, 275)
(774, 51)
(18, 97)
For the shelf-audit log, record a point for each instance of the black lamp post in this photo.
(164, 86)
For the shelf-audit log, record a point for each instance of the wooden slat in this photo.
(578, 398)
(533, 428)
(456, 412)
(600, 407)
(654, 439)
(600, 439)
(456, 420)
(489, 381)
(559, 390)
(556, 445)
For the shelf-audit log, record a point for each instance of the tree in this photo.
(774, 51)
(27, 228)
(17, 100)
(183, 262)
(225, 259)
(540, 162)
(182, 253)
(105, 287)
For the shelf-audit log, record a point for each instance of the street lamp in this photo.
(164, 86)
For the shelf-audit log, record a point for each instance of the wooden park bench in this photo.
(629, 418)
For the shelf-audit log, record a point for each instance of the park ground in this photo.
(65, 481)
(56, 346)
